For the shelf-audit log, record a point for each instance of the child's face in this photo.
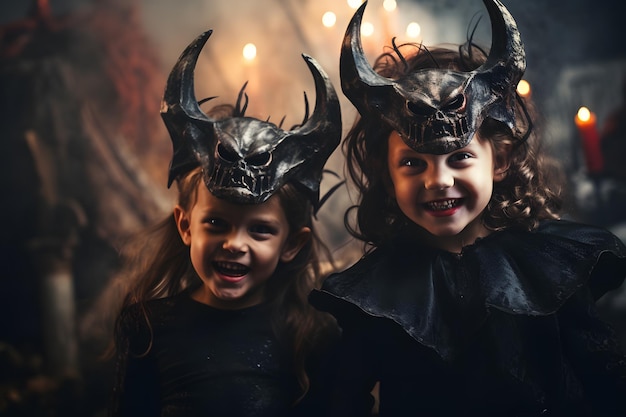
(444, 194)
(235, 248)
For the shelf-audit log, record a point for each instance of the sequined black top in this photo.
(506, 328)
(195, 360)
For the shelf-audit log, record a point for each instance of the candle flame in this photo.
(584, 115)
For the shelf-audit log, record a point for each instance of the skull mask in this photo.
(245, 160)
(438, 110)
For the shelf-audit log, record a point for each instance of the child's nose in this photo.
(438, 178)
(235, 242)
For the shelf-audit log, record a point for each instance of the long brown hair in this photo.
(158, 265)
(527, 194)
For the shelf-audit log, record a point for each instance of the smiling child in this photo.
(216, 321)
(475, 298)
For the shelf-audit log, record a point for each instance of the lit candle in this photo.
(586, 123)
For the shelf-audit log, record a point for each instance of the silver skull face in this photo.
(438, 110)
(251, 157)
(246, 160)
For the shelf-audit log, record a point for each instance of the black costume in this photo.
(202, 361)
(506, 328)
(179, 357)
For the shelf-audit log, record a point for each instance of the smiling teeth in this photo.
(232, 267)
(442, 204)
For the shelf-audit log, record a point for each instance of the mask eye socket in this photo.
(226, 154)
(456, 104)
(260, 160)
(419, 109)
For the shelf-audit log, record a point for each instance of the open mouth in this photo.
(443, 205)
(230, 269)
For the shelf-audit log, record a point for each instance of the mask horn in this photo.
(327, 113)
(181, 112)
(321, 133)
(507, 48)
(506, 57)
(357, 75)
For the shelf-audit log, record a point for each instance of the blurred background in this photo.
(85, 154)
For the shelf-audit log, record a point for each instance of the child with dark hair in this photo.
(475, 299)
(216, 321)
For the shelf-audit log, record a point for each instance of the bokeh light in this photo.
(367, 29)
(249, 51)
(329, 19)
(523, 88)
(389, 5)
(413, 30)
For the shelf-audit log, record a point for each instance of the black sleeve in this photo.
(353, 373)
(320, 368)
(591, 347)
(136, 389)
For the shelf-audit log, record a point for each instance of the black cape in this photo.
(513, 313)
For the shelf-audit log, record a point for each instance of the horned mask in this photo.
(437, 110)
(245, 160)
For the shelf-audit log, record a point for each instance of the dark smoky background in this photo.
(85, 153)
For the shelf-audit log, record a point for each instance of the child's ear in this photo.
(183, 224)
(295, 242)
(502, 162)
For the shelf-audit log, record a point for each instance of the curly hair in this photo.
(526, 195)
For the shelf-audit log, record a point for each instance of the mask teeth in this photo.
(440, 128)
(220, 176)
(464, 125)
(217, 175)
(460, 127)
(229, 177)
(249, 182)
(224, 177)
(262, 184)
(456, 128)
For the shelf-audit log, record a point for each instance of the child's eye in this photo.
(459, 157)
(263, 229)
(216, 224)
(412, 162)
